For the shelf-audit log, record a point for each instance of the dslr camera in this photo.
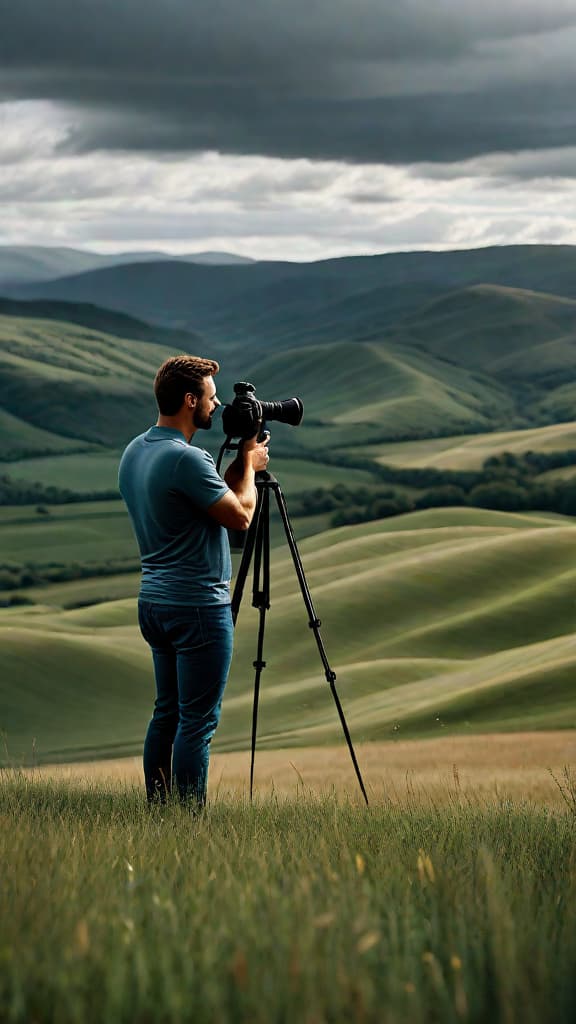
(246, 414)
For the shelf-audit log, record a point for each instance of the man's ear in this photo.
(190, 400)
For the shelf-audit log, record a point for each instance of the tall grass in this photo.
(312, 910)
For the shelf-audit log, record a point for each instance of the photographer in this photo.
(180, 508)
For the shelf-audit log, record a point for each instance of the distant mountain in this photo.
(27, 264)
(231, 298)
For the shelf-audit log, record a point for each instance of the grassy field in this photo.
(98, 471)
(94, 534)
(469, 451)
(455, 620)
(518, 766)
(307, 909)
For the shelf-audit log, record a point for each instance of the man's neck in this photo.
(180, 423)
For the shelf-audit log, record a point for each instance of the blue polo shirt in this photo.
(168, 485)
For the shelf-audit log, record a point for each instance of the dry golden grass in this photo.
(517, 765)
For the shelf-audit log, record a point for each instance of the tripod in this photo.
(258, 545)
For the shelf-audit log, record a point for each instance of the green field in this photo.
(469, 451)
(98, 471)
(304, 910)
(92, 536)
(458, 620)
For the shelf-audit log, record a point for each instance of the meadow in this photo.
(307, 909)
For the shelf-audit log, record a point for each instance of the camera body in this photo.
(245, 415)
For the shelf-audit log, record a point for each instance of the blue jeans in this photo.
(192, 651)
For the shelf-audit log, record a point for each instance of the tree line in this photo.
(506, 482)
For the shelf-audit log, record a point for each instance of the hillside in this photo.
(355, 393)
(95, 318)
(506, 332)
(73, 382)
(458, 620)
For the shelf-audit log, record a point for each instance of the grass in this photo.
(308, 909)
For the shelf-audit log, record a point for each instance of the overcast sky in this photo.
(287, 130)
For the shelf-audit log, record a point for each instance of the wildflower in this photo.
(324, 920)
(368, 941)
(426, 871)
(360, 864)
(82, 937)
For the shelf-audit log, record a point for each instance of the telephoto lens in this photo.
(245, 415)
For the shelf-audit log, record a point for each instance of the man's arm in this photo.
(236, 508)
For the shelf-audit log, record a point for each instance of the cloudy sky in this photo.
(287, 130)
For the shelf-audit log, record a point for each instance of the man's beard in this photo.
(202, 421)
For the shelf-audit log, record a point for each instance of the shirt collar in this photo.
(165, 434)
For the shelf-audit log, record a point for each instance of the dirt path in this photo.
(516, 765)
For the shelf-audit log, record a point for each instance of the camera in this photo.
(245, 415)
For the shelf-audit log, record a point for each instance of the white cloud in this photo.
(269, 207)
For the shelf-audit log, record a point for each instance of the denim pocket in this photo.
(183, 628)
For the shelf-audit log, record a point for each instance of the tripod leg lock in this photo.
(330, 675)
(259, 665)
(315, 623)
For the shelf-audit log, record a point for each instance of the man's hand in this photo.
(235, 509)
(256, 452)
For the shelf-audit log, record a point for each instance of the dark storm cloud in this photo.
(353, 80)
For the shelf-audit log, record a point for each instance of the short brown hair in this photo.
(179, 376)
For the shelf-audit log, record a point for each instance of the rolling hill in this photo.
(458, 620)
(506, 332)
(95, 318)
(75, 382)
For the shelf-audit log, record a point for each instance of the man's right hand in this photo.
(255, 452)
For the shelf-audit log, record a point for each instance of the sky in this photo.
(278, 130)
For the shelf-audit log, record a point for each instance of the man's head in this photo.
(184, 387)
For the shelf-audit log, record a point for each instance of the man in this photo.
(180, 507)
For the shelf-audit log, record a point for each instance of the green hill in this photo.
(75, 382)
(503, 331)
(357, 392)
(456, 620)
(103, 320)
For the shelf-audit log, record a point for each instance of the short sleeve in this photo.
(195, 475)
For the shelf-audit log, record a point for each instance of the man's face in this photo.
(206, 406)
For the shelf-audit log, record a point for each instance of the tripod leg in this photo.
(260, 600)
(314, 623)
(247, 553)
(259, 664)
